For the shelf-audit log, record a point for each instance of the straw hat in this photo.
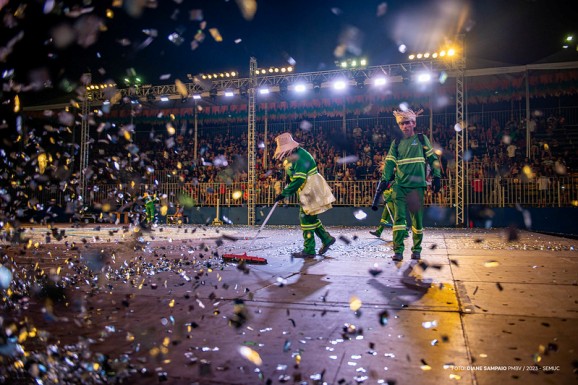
(285, 144)
(407, 114)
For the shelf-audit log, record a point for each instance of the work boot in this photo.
(326, 246)
(397, 257)
(376, 233)
(416, 255)
(302, 254)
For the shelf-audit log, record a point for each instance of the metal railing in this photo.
(492, 192)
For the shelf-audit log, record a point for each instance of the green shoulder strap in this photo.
(421, 140)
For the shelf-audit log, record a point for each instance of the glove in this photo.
(436, 185)
(381, 187)
(279, 198)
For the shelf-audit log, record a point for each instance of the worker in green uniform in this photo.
(315, 196)
(405, 164)
(387, 214)
(150, 202)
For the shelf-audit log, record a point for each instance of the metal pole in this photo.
(251, 201)
(528, 139)
(196, 122)
(344, 124)
(430, 117)
(84, 142)
(265, 136)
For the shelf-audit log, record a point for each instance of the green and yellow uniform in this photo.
(299, 165)
(150, 202)
(386, 219)
(406, 162)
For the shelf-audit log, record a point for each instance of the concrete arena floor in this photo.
(110, 304)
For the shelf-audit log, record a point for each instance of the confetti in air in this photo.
(5, 277)
(248, 8)
(216, 34)
(305, 125)
(250, 355)
(348, 159)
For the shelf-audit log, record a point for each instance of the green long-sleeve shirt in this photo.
(405, 161)
(300, 165)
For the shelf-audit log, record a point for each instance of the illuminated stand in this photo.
(278, 81)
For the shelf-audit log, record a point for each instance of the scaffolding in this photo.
(84, 143)
(460, 66)
(251, 144)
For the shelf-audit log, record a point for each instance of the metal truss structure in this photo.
(461, 142)
(203, 88)
(278, 82)
(251, 145)
(84, 145)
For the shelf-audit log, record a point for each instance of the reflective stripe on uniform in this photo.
(310, 227)
(416, 231)
(410, 161)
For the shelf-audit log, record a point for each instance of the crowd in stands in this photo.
(357, 154)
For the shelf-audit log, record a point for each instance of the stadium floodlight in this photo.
(379, 81)
(351, 63)
(229, 93)
(273, 70)
(264, 91)
(340, 84)
(221, 75)
(447, 51)
(300, 87)
(424, 77)
(197, 97)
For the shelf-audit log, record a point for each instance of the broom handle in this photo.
(263, 225)
(391, 216)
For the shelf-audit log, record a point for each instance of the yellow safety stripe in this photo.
(390, 157)
(410, 161)
(299, 175)
(429, 152)
(312, 171)
(311, 227)
(416, 231)
(399, 228)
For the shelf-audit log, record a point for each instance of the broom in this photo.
(244, 256)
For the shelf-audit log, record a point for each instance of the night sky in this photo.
(56, 41)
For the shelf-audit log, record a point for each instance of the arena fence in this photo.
(491, 192)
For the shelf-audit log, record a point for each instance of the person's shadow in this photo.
(413, 287)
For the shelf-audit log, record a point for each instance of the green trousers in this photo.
(150, 213)
(311, 226)
(386, 219)
(403, 199)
